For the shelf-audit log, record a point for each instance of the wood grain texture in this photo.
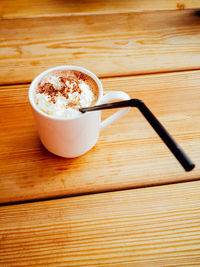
(128, 154)
(107, 44)
(23, 8)
(156, 226)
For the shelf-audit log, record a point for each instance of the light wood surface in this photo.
(23, 8)
(128, 154)
(108, 45)
(157, 226)
(147, 48)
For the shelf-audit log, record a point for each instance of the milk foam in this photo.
(62, 106)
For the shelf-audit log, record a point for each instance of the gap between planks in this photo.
(12, 203)
(119, 76)
(21, 8)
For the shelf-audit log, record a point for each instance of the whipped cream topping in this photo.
(63, 96)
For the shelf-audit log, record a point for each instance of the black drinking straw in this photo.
(180, 155)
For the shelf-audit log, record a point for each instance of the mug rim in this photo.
(65, 67)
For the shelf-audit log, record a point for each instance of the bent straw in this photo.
(180, 155)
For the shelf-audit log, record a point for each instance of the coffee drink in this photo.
(60, 93)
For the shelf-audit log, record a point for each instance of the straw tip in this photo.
(190, 167)
(82, 110)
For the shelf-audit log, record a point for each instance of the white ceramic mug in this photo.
(73, 137)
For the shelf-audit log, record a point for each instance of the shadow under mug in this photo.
(73, 137)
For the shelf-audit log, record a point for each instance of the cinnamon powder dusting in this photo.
(62, 92)
(52, 92)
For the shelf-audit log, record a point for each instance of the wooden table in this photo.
(127, 202)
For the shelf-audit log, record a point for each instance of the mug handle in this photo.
(116, 95)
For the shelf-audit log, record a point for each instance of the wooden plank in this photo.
(107, 44)
(22, 8)
(128, 154)
(156, 226)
